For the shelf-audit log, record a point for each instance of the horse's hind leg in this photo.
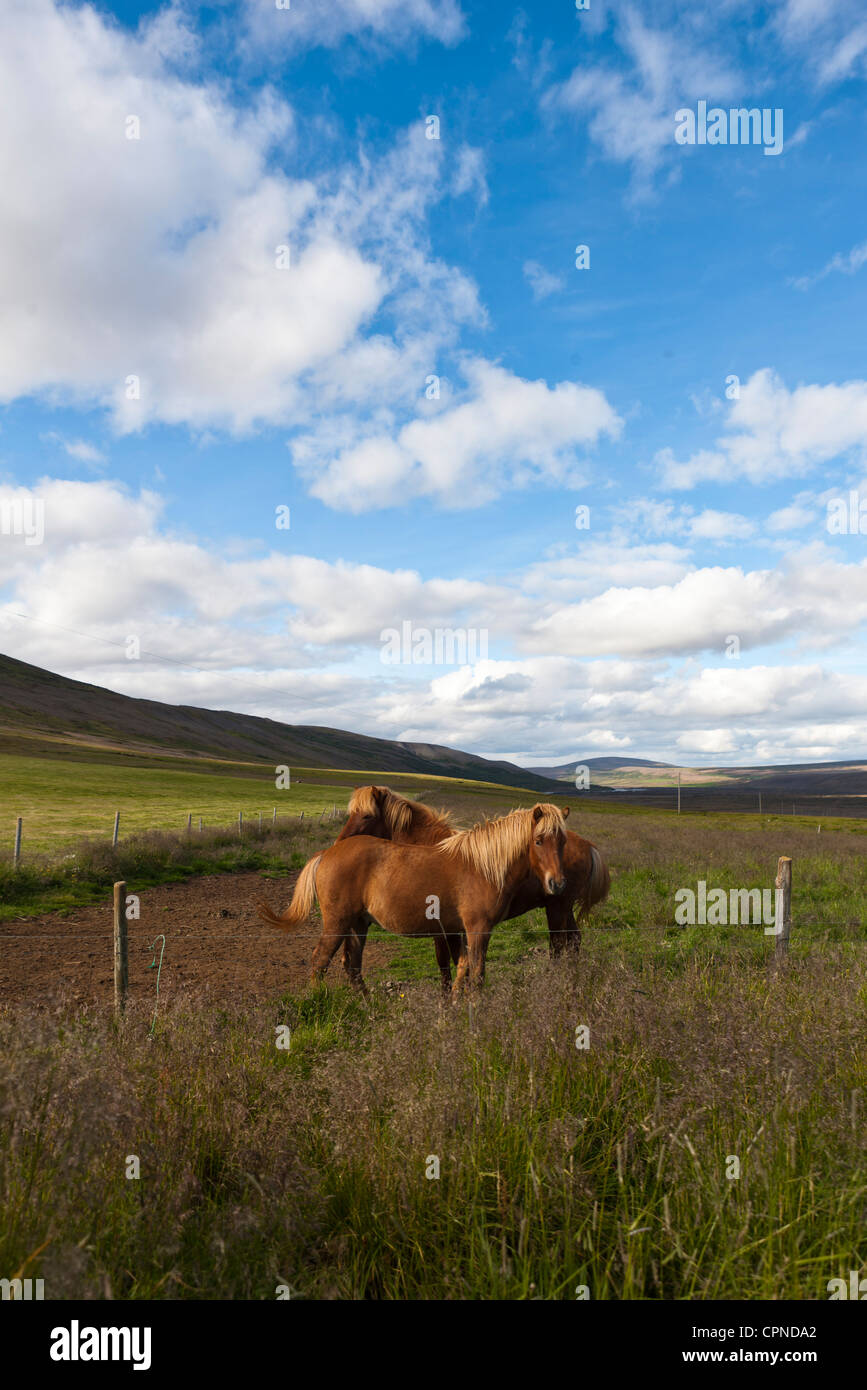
(333, 936)
(471, 964)
(353, 950)
(443, 949)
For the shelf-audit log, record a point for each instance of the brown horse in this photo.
(456, 889)
(381, 812)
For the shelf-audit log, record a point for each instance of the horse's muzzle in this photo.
(554, 886)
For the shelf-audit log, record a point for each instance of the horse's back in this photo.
(406, 888)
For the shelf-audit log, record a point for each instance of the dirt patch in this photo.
(215, 944)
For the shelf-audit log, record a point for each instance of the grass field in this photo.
(62, 799)
(608, 1168)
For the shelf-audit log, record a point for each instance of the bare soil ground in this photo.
(215, 945)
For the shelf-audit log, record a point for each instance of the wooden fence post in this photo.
(121, 956)
(189, 822)
(274, 817)
(200, 825)
(240, 822)
(260, 820)
(116, 830)
(783, 907)
(16, 853)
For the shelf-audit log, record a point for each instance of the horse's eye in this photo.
(538, 842)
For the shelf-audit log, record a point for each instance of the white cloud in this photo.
(699, 612)
(297, 638)
(607, 561)
(847, 264)
(773, 432)
(707, 741)
(631, 109)
(541, 281)
(311, 23)
(792, 518)
(720, 526)
(830, 37)
(504, 432)
(157, 258)
(469, 175)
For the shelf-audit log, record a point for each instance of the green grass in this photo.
(559, 1168)
(608, 1167)
(85, 875)
(62, 800)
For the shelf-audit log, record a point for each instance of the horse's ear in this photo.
(538, 813)
(565, 812)
(379, 795)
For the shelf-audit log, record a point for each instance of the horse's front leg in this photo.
(562, 931)
(444, 961)
(462, 964)
(353, 950)
(477, 950)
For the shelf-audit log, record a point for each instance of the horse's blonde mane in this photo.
(492, 846)
(398, 812)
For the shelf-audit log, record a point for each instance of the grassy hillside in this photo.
(43, 714)
(61, 801)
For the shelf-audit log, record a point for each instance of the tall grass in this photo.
(559, 1167)
(49, 883)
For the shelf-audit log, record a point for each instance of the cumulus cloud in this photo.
(773, 432)
(503, 432)
(182, 275)
(298, 638)
(700, 611)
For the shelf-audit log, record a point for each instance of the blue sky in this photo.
(707, 613)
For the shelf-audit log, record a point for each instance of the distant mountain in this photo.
(565, 772)
(41, 711)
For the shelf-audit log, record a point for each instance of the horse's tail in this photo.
(302, 900)
(598, 882)
(600, 879)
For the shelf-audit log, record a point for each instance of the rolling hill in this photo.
(565, 772)
(41, 712)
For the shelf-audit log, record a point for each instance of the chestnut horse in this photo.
(456, 890)
(381, 812)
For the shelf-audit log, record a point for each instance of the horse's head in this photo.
(547, 843)
(367, 814)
